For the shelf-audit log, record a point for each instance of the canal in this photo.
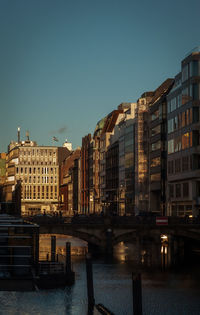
(167, 293)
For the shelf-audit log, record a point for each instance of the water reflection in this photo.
(163, 293)
(78, 247)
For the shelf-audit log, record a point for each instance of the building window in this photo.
(183, 119)
(34, 193)
(170, 125)
(171, 146)
(178, 100)
(177, 165)
(177, 144)
(194, 91)
(185, 141)
(47, 192)
(55, 195)
(155, 115)
(195, 161)
(170, 167)
(185, 72)
(195, 138)
(178, 190)
(171, 191)
(42, 192)
(179, 121)
(38, 192)
(181, 211)
(169, 106)
(155, 162)
(185, 96)
(194, 68)
(155, 177)
(185, 163)
(173, 104)
(156, 145)
(195, 114)
(185, 189)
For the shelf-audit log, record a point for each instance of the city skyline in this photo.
(66, 64)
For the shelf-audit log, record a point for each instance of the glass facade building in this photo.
(183, 104)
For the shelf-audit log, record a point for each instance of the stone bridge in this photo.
(105, 234)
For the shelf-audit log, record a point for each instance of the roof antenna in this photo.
(18, 134)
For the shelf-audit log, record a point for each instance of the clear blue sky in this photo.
(65, 64)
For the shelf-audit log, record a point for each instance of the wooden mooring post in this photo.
(137, 294)
(90, 287)
(68, 267)
(53, 248)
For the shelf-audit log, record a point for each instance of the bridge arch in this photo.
(82, 235)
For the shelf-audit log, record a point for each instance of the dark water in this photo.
(163, 293)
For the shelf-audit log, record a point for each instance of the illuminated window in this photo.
(183, 119)
(155, 177)
(185, 141)
(155, 162)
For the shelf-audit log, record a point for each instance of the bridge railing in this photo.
(113, 220)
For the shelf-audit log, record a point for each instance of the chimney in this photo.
(27, 135)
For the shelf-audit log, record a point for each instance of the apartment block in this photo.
(124, 135)
(69, 185)
(37, 169)
(183, 104)
(142, 153)
(158, 148)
